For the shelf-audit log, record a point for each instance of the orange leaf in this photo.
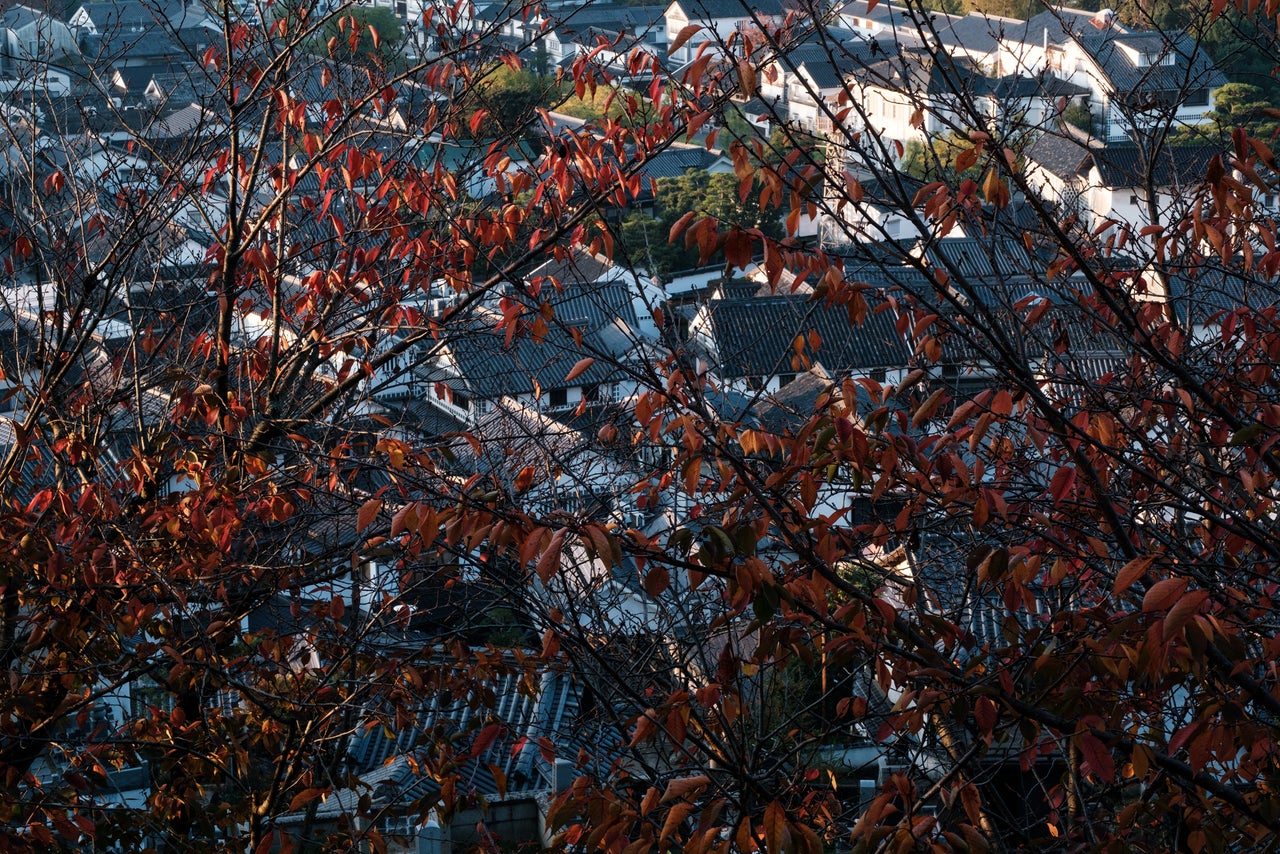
(678, 227)
(777, 836)
(972, 803)
(549, 563)
(1131, 572)
(1183, 610)
(367, 513)
(525, 478)
(682, 786)
(306, 796)
(578, 369)
(1163, 594)
(686, 33)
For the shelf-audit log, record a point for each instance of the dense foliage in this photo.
(345, 497)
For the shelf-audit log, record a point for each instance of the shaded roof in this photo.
(1200, 289)
(1060, 154)
(106, 14)
(757, 337)
(708, 9)
(975, 31)
(17, 17)
(490, 367)
(976, 258)
(790, 407)
(617, 17)
(828, 63)
(512, 436)
(674, 162)
(1170, 166)
(1191, 67)
(923, 72)
(575, 266)
(1028, 86)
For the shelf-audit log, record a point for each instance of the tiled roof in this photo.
(975, 31)
(1199, 290)
(1060, 154)
(828, 64)
(1170, 166)
(1060, 24)
(975, 258)
(756, 337)
(790, 407)
(18, 17)
(701, 10)
(674, 162)
(491, 368)
(612, 16)
(1191, 67)
(382, 754)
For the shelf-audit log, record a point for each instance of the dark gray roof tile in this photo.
(756, 337)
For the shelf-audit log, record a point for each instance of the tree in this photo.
(363, 35)
(1244, 105)
(349, 487)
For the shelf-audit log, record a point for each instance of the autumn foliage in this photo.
(1019, 594)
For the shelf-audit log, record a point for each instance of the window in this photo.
(559, 397)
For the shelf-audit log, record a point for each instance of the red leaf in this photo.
(1063, 481)
(984, 715)
(656, 581)
(1097, 758)
(549, 563)
(485, 739)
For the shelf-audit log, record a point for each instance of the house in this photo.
(891, 27)
(551, 36)
(920, 95)
(1122, 181)
(1136, 80)
(109, 18)
(809, 79)
(478, 364)
(882, 212)
(761, 343)
(719, 19)
(28, 34)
